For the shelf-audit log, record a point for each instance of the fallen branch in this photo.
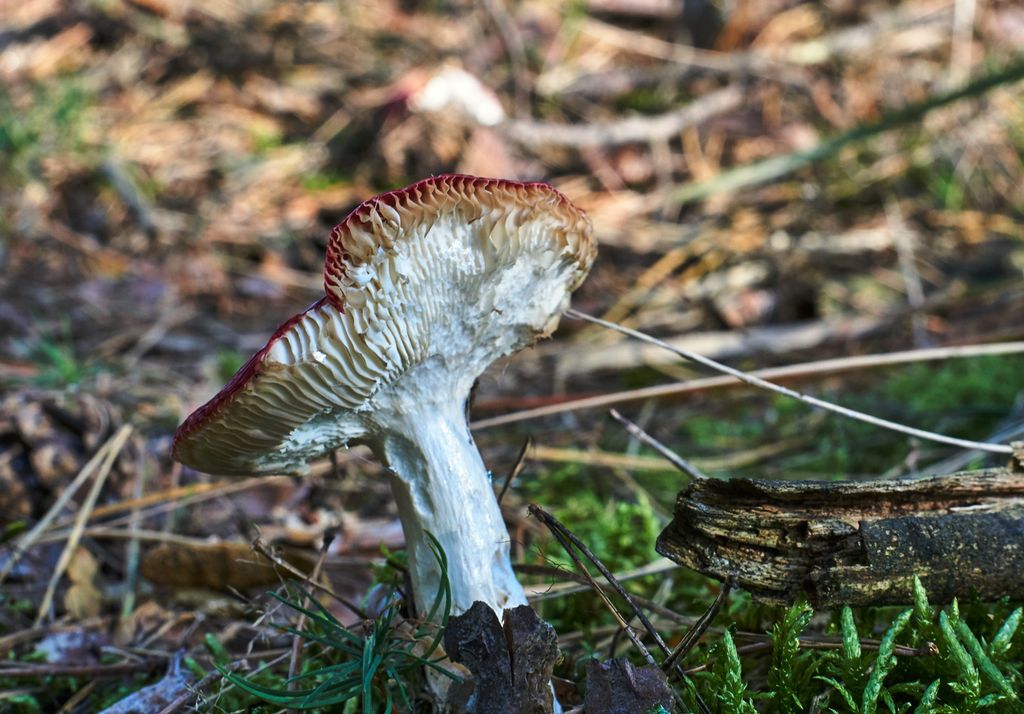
(639, 129)
(855, 543)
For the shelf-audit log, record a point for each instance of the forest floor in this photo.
(788, 183)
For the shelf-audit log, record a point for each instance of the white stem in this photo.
(441, 486)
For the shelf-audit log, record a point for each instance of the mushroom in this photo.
(425, 287)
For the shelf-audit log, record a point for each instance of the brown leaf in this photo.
(83, 567)
(219, 566)
(83, 600)
(54, 462)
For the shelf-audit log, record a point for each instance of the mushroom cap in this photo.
(425, 287)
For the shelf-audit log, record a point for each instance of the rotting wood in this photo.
(511, 661)
(855, 543)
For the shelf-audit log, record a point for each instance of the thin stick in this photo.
(903, 241)
(778, 166)
(928, 649)
(295, 666)
(568, 539)
(260, 548)
(82, 670)
(516, 468)
(191, 693)
(131, 578)
(813, 401)
(539, 134)
(113, 449)
(179, 497)
(698, 629)
(568, 575)
(78, 697)
(142, 534)
(549, 592)
(561, 533)
(963, 30)
(26, 542)
(556, 526)
(806, 369)
(196, 690)
(678, 461)
(173, 484)
(639, 462)
(516, 49)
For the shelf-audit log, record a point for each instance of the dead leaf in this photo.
(223, 566)
(83, 599)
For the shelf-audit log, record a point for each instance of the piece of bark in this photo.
(618, 687)
(533, 646)
(511, 664)
(855, 543)
(475, 639)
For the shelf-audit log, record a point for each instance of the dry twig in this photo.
(675, 459)
(111, 451)
(295, 666)
(813, 401)
(806, 369)
(259, 547)
(570, 543)
(626, 131)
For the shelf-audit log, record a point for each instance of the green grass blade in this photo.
(969, 683)
(987, 666)
(841, 690)
(851, 640)
(927, 703)
(1003, 640)
(884, 663)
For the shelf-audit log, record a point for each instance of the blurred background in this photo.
(771, 182)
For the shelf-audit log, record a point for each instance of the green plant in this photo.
(791, 667)
(849, 665)
(951, 669)
(229, 362)
(373, 668)
(726, 679)
(884, 663)
(58, 364)
(51, 121)
(52, 351)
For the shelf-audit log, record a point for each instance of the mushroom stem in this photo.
(441, 486)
